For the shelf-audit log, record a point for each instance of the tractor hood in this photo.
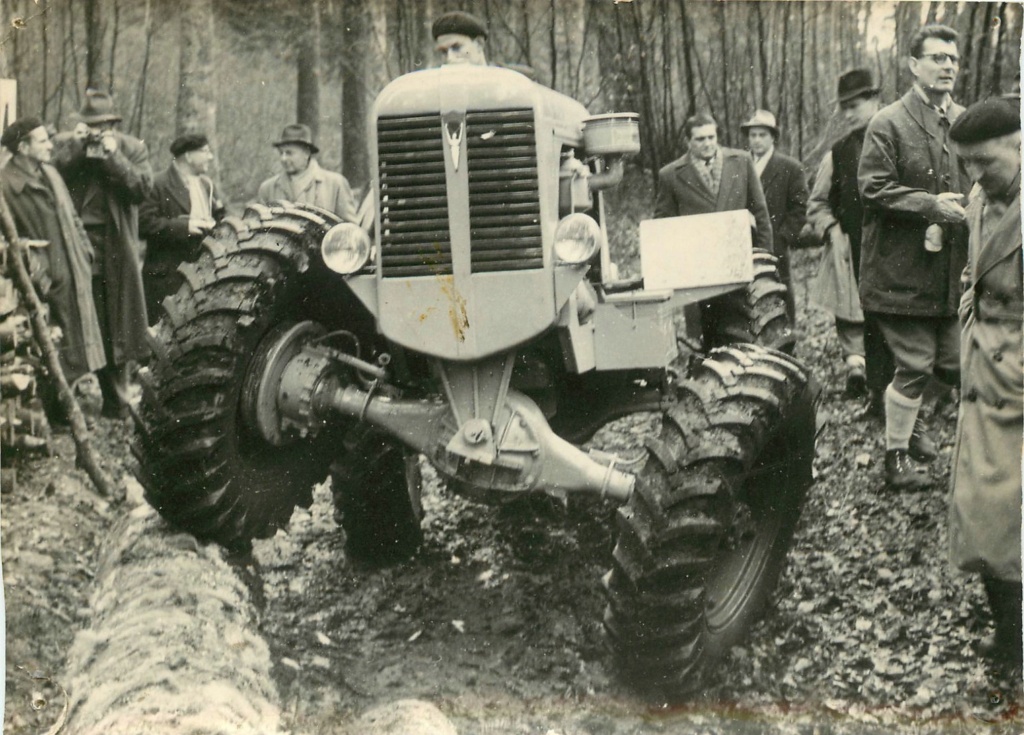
(466, 166)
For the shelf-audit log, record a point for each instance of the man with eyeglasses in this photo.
(914, 245)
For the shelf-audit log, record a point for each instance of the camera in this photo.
(93, 143)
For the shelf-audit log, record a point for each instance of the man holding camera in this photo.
(108, 175)
(914, 245)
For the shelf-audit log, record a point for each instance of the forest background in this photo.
(240, 70)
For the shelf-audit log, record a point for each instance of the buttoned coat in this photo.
(985, 507)
(903, 166)
(123, 179)
(785, 195)
(325, 189)
(163, 223)
(682, 191)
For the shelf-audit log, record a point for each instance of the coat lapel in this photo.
(771, 172)
(178, 190)
(730, 179)
(1001, 239)
(690, 179)
(928, 122)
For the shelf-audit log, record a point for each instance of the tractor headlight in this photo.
(577, 238)
(345, 248)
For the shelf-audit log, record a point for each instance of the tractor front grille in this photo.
(504, 203)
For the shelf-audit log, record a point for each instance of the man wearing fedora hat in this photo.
(914, 244)
(108, 175)
(785, 192)
(303, 181)
(836, 213)
(179, 212)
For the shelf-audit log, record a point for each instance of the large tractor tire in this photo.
(756, 314)
(376, 491)
(202, 464)
(704, 537)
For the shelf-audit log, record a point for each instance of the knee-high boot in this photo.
(1004, 599)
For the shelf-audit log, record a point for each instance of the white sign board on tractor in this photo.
(696, 251)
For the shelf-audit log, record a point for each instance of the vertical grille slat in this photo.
(504, 203)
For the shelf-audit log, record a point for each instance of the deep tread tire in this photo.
(201, 467)
(755, 315)
(712, 516)
(377, 497)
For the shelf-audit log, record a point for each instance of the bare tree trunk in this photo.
(115, 28)
(726, 123)
(307, 103)
(762, 53)
(197, 103)
(97, 52)
(138, 110)
(45, 64)
(354, 93)
(691, 92)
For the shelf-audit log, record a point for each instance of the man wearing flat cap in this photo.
(181, 209)
(459, 38)
(785, 192)
(108, 175)
(303, 181)
(985, 507)
(42, 210)
(914, 246)
(836, 214)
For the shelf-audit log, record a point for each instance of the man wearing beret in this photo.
(985, 507)
(108, 175)
(42, 210)
(460, 38)
(914, 245)
(303, 181)
(181, 209)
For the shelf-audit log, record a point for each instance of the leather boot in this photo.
(902, 474)
(922, 447)
(1005, 647)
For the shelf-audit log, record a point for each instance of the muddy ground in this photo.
(497, 620)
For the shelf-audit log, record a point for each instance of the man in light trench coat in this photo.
(985, 508)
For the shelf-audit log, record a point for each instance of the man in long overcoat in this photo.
(985, 508)
(179, 212)
(785, 192)
(915, 244)
(43, 210)
(108, 175)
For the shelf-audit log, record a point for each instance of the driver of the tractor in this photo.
(460, 38)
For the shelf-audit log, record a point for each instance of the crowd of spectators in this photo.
(922, 273)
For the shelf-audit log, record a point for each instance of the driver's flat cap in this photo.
(457, 21)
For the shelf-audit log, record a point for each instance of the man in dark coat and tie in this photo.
(712, 178)
(914, 245)
(179, 212)
(785, 192)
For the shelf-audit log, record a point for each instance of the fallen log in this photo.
(171, 647)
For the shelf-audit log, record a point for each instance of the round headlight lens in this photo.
(345, 248)
(577, 238)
